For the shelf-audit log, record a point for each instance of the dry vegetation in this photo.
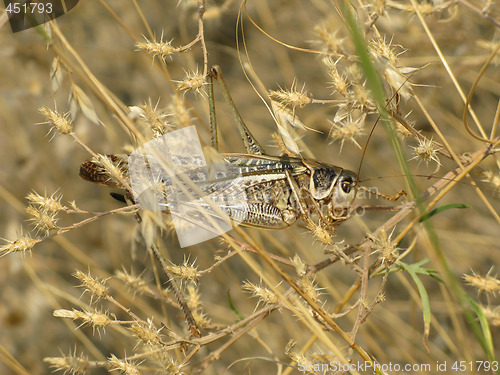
(81, 291)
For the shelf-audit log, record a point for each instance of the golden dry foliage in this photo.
(393, 287)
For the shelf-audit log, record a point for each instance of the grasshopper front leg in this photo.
(298, 198)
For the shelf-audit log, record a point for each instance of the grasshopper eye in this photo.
(346, 185)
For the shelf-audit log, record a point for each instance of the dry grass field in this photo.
(377, 87)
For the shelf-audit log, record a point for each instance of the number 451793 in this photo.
(463, 366)
(29, 8)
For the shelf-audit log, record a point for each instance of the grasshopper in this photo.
(279, 190)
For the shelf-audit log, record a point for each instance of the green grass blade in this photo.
(233, 308)
(377, 89)
(414, 270)
(487, 341)
(439, 209)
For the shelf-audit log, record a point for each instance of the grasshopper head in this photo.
(333, 188)
(329, 182)
(341, 198)
(345, 188)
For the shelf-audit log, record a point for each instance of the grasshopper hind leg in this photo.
(264, 216)
(251, 144)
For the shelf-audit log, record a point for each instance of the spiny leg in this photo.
(393, 198)
(251, 144)
(400, 194)
(213, 117)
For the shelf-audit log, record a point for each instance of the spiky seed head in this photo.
(379, 8)
(193, 299)
(359, 97)
(427, 8)
(168, 364)
(338, 81)
(355, 74)
(113, 169)
(291, 98)
(386, 59)
(385, 247)
(402, 131)
(159, 49)
(136, 283)
(58, 122)
(43, 220)
(297, 357)
(21, 245)
(347, 130)
(186, 272)
(123, 365)
(69, 363)
(300, 265)
(488, 284)
(321, 234)
(147, 333)
(94, 286)
(380, 50)
(193, 81)
(50, 204)
(426, 151)
(492, 314)
(329, 41)
(264, 295)
(94, 319)
(309, 287)
(155, 118)
(202, 320)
